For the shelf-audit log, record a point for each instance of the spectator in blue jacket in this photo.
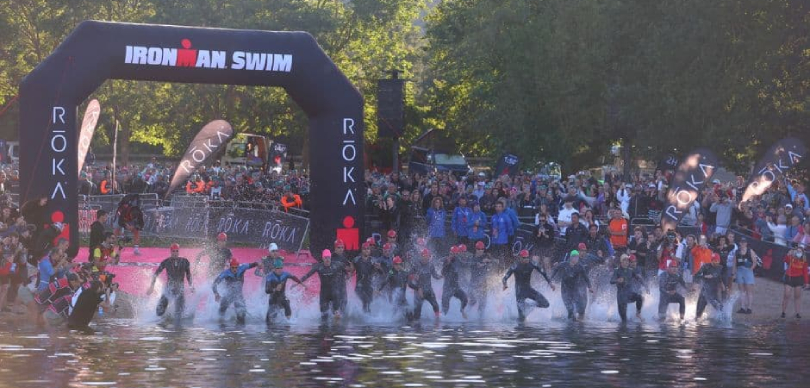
(459, 221)
(476, 224)
(513, 218)
(46, 270)
(436, 216)
(501, 230)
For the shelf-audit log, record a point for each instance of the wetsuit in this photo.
(626, 291)
(379, 276)
(278, 298)
(177, 270)
(421, 274)
(451, 287)
(479, 271)
(668, 286)
(397, 283)
(712, 277)
(86, 307)
(333, 285)
(523, 286)
(218, 259)
(342, 281)
(365, 269)
(234, 281)
(573, 280)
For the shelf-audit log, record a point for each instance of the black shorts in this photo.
(794, 281)
(5, 279)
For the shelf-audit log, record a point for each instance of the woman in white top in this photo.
(623, 196)
(778, 229)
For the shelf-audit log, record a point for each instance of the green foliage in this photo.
(571, 77)
(364, 38)
(558, 80)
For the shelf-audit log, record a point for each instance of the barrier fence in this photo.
(198, 219)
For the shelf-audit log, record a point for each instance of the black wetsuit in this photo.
(86, 307)
(397, 283)
(177, 270)
(451, 287)
(523, 286)
(479, 272)
(421, 274)
(626, 292)
(218, 259)
(379, 277)
(573, 282)
(364, 287)
(333, 285)
(340, 286)
(668, 286)
(278, 298)
(233, 290)
(711, 277)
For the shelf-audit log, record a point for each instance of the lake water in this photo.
(304, 353)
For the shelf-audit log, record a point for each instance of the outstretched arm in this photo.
(310, 273)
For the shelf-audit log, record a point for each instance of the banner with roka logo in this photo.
(691, 175)
(781, 157)
(87, 130)
(256, 227)
(208, 141)
(259, 227)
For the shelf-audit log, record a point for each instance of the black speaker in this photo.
(390, 108)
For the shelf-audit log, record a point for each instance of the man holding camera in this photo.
(724, 208)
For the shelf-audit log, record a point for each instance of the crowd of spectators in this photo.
(233, 183)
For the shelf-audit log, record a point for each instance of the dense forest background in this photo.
(560, 80)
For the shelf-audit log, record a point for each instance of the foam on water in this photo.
(501, 306)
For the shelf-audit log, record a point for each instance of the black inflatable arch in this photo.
(96, 51)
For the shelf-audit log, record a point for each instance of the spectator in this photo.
(792, 230)
(292, 200)
(778, 230)
(618, 229)
(724, 208)
(501, 229)
(436, 216)
(803, 235)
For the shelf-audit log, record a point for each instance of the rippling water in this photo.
(556, 353)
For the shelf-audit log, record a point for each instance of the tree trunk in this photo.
(305, 151)
(626, 158)
(123, 144)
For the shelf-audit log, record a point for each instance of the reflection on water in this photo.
(126, 353)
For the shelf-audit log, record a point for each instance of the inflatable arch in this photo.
(96, 51)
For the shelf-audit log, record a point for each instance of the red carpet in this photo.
(134, 273)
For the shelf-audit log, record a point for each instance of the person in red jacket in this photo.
(291, 200)
(796, 278)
